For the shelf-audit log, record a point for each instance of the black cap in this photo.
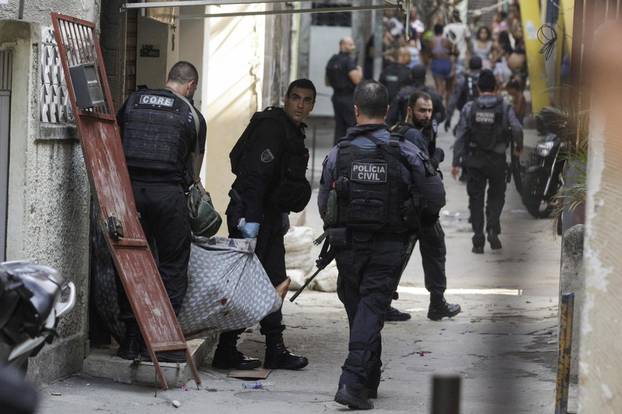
(475, 63)
(487, 81)
(418, 72)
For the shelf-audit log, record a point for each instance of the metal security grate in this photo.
(6, 65)
(79, 45)
(54, 99)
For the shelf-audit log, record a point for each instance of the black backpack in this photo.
(487, 125)
(469, 91)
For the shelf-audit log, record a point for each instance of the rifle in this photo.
(326, 256)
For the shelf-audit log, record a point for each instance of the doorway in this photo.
(6, 65)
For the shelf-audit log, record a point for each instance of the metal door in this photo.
(5, 116)
(105, 162)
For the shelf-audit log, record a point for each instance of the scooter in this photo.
(33, 298)
(543, 176)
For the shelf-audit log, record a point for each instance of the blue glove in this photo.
(249, 230)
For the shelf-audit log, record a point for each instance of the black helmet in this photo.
(418, 72)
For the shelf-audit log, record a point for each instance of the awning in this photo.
(167, 11)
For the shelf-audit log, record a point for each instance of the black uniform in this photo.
(486, 127)
(376, 182)
(465, 91)
(159, 134)
(399, 104)
(338, 69)
(270, 162)
(395, 76)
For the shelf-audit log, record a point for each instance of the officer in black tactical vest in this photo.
(486, 127)
(342, 74)
(420, 129)
(269, 161)
(399, 104)
(164, 141)
(396, 74)
(373, 194)
(465, 90)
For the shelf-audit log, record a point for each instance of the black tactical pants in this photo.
(368, 276)
(343, 106)
(165, 221)
(491, 172)
(433, 256)
(270, 251)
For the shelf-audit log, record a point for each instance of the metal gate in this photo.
(6, 68)
(103, 154)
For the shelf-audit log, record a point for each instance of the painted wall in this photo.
(152, 71)
(232, 92)
(600, 361)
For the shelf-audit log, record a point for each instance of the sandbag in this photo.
(326, 280)
(298, 239)
(299, 260)
(297, 277)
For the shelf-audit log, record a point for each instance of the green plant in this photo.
(574, 135)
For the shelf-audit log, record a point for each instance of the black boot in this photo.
(493, 239)
(441, 309)
(278, 357)
(227, 355)
(394, 315)
(355, 397)
(131, 343)
(233, 359)
(478, 243)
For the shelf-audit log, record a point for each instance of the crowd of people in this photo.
(446, 46)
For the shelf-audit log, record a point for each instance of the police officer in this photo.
(342, 74)
(382, 188)
(160, 129)
(465, 90)
(399, 104)
(396, 74)
(270, 162)
(486, 127)
(422, 130)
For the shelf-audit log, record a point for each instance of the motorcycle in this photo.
(33, 298)
(543, 176)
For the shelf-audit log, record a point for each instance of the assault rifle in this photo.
(326, 256)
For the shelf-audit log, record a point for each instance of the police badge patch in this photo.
(267, 156)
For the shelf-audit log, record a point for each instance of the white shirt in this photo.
(458, 34)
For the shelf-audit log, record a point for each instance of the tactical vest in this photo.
(337, 75)
(158, 132)
(487, 126)
(372, 198)
(291, 189)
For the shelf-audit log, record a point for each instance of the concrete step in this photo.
(103, 363)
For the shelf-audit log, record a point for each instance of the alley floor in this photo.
(503, 344)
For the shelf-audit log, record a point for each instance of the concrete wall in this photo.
(601, 348)
(48, 187)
